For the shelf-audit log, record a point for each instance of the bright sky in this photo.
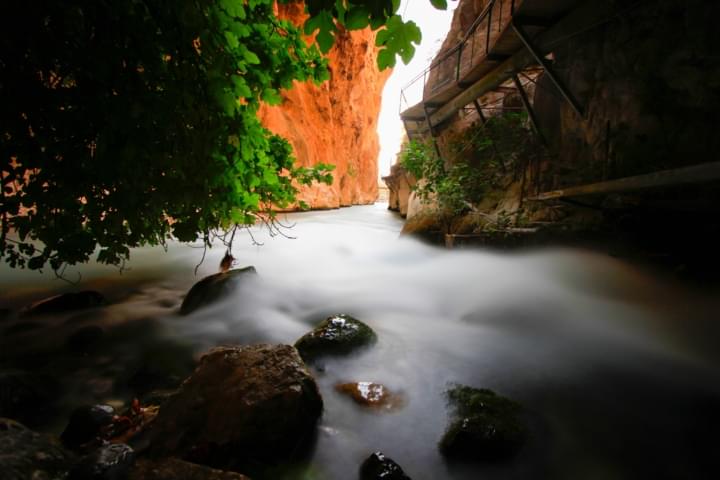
(434, 25)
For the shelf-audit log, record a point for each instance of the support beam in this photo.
(704, 172)
(529, 109)
(540, 58)
(585, 17)
(479, 111)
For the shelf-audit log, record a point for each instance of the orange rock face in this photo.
(335, 122)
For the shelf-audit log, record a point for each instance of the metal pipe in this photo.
(459, 60)
(489, 25)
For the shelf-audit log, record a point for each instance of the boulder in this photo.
(379, 467)
(109, 462)
(25, 454)
(174, 469)
(86, 424)
(373, 395)
(242, 405)
(26, 396)
(66, 302)
(212, 288)
(336, 335)
(484, 426)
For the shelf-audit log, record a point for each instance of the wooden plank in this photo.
(704, 172)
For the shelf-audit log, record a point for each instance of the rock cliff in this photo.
(649, 85)
(335, 122)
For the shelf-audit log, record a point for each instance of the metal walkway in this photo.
(507, 37)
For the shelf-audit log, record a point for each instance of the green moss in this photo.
(336, 335)
(484, 426)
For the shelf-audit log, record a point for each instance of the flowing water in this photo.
(616, 369)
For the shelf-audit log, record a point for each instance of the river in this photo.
(616, 368)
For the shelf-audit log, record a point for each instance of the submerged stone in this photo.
(25, 454)
(379, 467)
(66, 302)
(212, 288)
(243, 405)
(109, 462)
(336, 335)
(484, 426)
(22, 327)
(175, 469)
(85, 339)
(86, 424)
(162, 367)
(373, 395)
(5, 314)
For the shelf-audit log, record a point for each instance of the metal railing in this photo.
(452, 64)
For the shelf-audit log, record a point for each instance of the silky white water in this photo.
(616, 369)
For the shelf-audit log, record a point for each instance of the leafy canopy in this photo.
(396, 38)
(132, 122)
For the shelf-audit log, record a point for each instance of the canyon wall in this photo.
(335, 123)
(649, 82)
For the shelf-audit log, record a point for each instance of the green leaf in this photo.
(231, 39)
(377, 22)
(357, 18)
(241, 87)
(271, 96)
(36, 263)
(385, 59)
(234, 8)
(439, 4)
(323, 22)
(250, 57)
(397, 38)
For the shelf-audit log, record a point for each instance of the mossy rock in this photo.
(484, 426)
(212, 288)
(336, 335)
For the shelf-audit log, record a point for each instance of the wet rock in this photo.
(158, 397)
(86, 424)
(22, 327)
(373, 395)
(27, 397)
(25, 454)
(66, 302)
(338, 334)
(211, 289)
(174, 469)
(85, 339)
(484, 425)
(379, 467)
(109, 462)
(255, 404)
